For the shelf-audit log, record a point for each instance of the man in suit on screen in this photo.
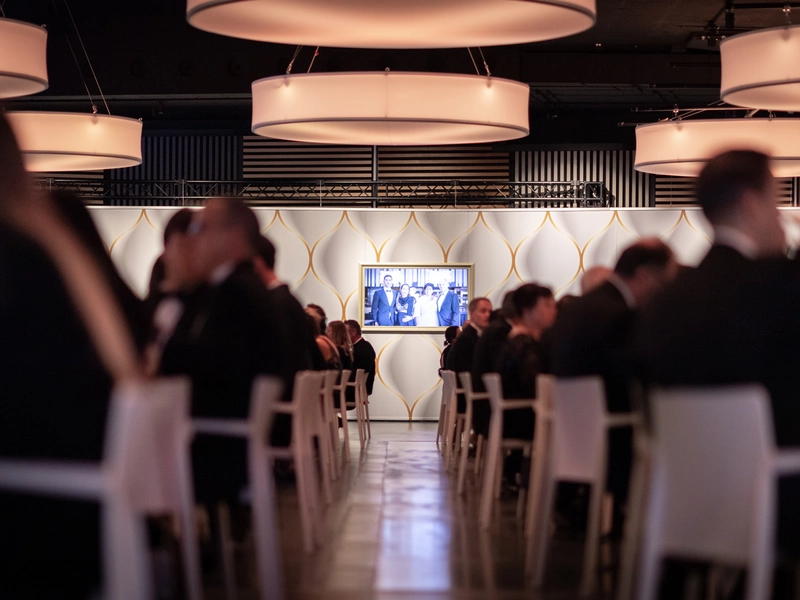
(383, 304)
(448, 304)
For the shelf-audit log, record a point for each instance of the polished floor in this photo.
(396, 529)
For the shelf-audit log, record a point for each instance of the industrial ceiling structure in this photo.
(642, 55)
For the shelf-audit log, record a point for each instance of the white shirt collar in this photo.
(221, 273)
(733, 238)
(623, 288)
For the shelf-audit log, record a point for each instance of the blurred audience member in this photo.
(63, 343)
(337, 333)
(594, 277)
(74, 213)
(450, 335)
(734, 318)
(327, 349)
(519, 360)
(459, 359)
(486, 352)
(227, 338)
(363, 357)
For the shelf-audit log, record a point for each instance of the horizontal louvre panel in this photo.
(443, 162)
(679, 191)
(273, 159)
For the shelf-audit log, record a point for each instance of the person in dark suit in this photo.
(383, 304)
(483, 361)
(448, 304)
(459, 359)
(363, 356)
(734, 318)
(228, 338)
(298, 347)
(593, 336)
(64, 342)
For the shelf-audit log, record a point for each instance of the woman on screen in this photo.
(427, 309)
(406, 307)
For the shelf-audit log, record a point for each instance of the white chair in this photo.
(496, 444)
(331, 418)
(447, 393)
(341, 387)
(454, 422)
(578, 453)
(471, 396)
(713, 484)
(255, 429)
(304, 409)
(362, 412)
(541, 447)
(127, 483)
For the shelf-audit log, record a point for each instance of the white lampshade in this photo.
(389, 108)
(53, 141)
(393, 23)
(761, 69)
(23, 59)
(682, 148)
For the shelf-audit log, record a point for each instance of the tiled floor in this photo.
(397, 530)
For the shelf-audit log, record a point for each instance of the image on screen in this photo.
(415, 297)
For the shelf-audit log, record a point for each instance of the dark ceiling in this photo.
(641, 54)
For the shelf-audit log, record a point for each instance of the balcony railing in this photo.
(330, 193)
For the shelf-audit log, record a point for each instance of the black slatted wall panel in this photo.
(264, 158)
(679, 191)
(614, 168)
(443, 162)
(173, 157)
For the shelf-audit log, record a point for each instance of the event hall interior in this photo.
(534, 142)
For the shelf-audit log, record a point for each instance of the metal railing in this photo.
(334, 193)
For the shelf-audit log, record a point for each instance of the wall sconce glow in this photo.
(682, 148)
(53, 141)
(761, 69)
(23, 59)
(393, 23)
(389, 108)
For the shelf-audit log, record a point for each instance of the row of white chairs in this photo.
(703, 483)
(146, 471)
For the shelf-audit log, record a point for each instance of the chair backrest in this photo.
(343, 379)
(579, 428)
(265, 392)
(494, 387)
(307, 389)
(329, 383)
(469, 391)
(448, 386)
(711, 448)
(168, 400)
(544, 391)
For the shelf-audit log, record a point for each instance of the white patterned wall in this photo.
(319, 252)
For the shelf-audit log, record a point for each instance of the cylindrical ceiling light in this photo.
(682, 148)
(23, 59)
(761, 69)
(393, 23)
(53, 141)
(389, 108)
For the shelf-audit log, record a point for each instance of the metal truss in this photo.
(330, 193)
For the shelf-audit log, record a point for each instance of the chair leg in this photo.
(449, 432)
(128, 575)
(633, 526)
(345, 430)
(492, 458)
(265, 527)
(456, 442)
(366, 415)
(325, 464)
(189, 539)
(462, 463)
(650, 561)
(479, 448)
(541, 537)
(442, 417)
(591, 551)
(304, 500)
(226, 551)
(497, 486)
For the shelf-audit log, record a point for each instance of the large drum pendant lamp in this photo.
(682, 148)
(56, 141)
(393, 23)
(761, 69)
(23, 59)
(389, 108)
